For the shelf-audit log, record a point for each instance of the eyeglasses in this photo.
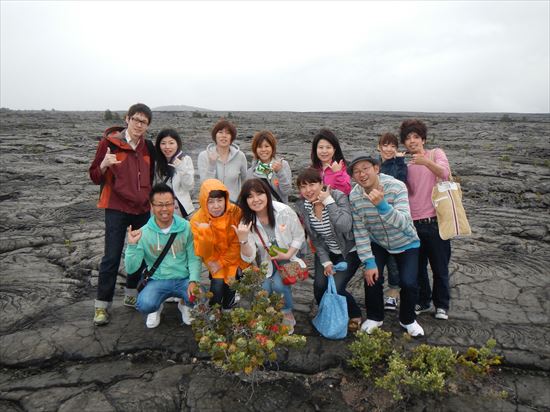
(362, 171)
(163, 205)
(139, 121)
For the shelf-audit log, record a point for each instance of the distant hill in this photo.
(179, 108)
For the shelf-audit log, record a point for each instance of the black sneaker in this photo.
(418, 309)
(390, 303)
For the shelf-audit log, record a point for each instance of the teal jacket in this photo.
(179, 263)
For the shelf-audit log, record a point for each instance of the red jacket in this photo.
(125, 186)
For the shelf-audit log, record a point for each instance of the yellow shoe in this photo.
(101, 316)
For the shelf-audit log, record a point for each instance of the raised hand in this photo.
(109, 160)
(325, 192)
(277, 165)
(213, 156)
(242, 231)
(133, 235)
(201, 225)
(419, 159)
(337, 166)
(376, 195)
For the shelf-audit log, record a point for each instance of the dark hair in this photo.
(140, 108)
(258, 186)
(163, 170)
(326, 134)
(388, 138)
(264, 136)
(160, 188)
(217, 194)
(309, 175)
(413, 126)
(224, 124)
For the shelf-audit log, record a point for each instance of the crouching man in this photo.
(383, 226)
(179, 271)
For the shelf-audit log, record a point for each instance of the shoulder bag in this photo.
(447, 201)
(147, 273)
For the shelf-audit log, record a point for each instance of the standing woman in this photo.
(327, 156)
(264, 224)
(274, 170)
(327, 219)
(223, 160)
(175, 169)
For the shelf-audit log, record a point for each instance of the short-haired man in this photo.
(179, 272)
(382, 226)
(124, 167)
(425, 167)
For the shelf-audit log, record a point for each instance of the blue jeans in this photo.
(407, 264)
(157, 291)
(438, 252)
(222, 294)
(274, 284)
(341, 279)
(116, 224)
(393, 273)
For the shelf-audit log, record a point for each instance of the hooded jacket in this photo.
(124, 187)
(217, 241)
(280, 182)
(179, 263)
(231, 173)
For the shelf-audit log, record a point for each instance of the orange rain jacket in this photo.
(217, 242)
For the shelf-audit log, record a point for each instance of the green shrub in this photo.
(482, 360)
(368, 351)
(245, 338)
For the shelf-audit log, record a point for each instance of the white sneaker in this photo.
(153, 319)
(370, 325)
(441, 313)
(172, 299)
(186, 316)
(413, 329)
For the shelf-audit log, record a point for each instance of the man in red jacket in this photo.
(124, 167)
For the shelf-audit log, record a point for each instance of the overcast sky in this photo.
(298, 56)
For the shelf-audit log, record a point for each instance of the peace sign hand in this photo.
(337, 166)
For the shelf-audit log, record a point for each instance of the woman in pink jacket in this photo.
(327, 156)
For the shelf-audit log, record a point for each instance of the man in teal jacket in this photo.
(180, 269)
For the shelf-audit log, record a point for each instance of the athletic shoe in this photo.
(172, 299)
(441, 313)
(390, 303)
(418, 309)
(186, 316)
(130, 301)
(413, 329)
(153, 319)
(101, 316)
(370, 325)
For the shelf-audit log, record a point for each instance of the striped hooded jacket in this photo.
(389, 224)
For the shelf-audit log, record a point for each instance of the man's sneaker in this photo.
(172, 299)
(186, 316)
(441, 313)
(153, 319)
(130, 301)
(413, 329)
(390, 303)
(418, 309)
(370, 325)
(101, 316)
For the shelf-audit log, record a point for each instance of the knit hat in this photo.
(359, 158)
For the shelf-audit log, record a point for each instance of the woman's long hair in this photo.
(163, 170)
(258, 186)
(326, 134)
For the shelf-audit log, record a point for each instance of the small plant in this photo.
(504, 158)
(368, 351)
(245, 338)
(482, 360)
(108, 115)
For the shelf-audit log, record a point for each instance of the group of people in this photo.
(385, 220)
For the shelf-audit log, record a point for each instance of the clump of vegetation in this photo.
(423, 369)
(506, 118)
(504, 158)
(244, 338)
(109, 115)
(198, 115)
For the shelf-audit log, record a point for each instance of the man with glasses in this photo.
(124, 168)
(180, 269)
(382, 226)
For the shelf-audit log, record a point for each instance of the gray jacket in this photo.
(339, 212)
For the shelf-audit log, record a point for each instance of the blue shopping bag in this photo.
(332, 319)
